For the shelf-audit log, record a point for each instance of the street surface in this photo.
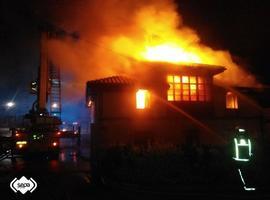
(69, 177)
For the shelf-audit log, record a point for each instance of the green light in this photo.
(236, 148)
(249, 143)
(243, 142)
(244, 183)
(240, 147)
(241, 130)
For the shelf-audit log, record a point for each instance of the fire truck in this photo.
(39, 131)
(41, 136)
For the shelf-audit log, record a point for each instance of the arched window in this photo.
(231, 101)
(142, 99)
(92, 109)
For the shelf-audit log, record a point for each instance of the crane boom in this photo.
(43, 73)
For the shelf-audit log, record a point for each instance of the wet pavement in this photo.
(58, 178)
(69, 177)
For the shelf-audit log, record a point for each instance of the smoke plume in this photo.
(115, 33)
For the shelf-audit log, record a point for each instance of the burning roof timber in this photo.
(148, 73)
(112, 82)
(144, 70)
(153, 31)
(147, 68)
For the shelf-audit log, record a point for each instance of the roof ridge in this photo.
(115, 79)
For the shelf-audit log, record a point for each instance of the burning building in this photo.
(174, 108)
(160, 101)
(169, 104)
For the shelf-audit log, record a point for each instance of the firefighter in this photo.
(242, 155)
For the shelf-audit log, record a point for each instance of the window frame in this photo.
(145, 94)
(180, 88)
(231, 101)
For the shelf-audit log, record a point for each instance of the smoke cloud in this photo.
(115, 33)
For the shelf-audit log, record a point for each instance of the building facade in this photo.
(166, 104)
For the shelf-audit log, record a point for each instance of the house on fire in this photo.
(166, 104)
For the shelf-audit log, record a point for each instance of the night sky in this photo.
(240, 26)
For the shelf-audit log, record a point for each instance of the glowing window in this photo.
(92, 109)
(142, 99)
(185, 79)
(231, 101)
(187, 88)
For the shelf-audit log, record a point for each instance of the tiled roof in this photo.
(113, 80)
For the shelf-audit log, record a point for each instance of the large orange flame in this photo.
(114, 31)
(160, 35)
(162, 38)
